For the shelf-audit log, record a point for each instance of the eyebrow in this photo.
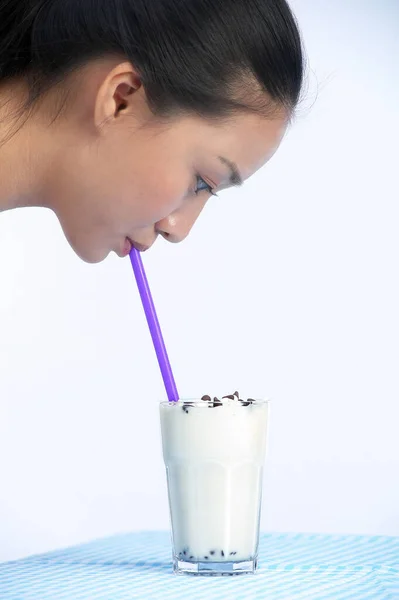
(235, 177)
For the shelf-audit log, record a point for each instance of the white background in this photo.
(287, 288)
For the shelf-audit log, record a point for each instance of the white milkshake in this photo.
(214, 454)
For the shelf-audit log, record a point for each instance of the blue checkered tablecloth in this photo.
(138, 566)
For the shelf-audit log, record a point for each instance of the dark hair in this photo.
(208, 56)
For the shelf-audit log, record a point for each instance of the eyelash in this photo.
(207, 187)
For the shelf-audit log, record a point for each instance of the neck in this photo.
(21, 157)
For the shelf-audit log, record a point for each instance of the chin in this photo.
(84, 246)
(91, 257)
(88, 254)
(91, 260)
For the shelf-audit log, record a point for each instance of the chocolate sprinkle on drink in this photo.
(186, 406)
(217, 402)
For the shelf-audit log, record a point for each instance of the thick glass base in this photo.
(184, 567)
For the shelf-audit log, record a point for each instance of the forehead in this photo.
(251, 140)
(247, 140)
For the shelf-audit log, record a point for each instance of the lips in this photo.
(138, 246)
(127, 246)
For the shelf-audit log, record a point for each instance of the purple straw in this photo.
(153, 324)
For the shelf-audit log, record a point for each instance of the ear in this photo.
(116, 93)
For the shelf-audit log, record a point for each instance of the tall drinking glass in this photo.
(214, 455)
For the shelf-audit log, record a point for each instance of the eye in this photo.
(203, 186)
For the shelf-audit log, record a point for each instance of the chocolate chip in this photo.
(251, 401)
(206, 398)
(216, 402)
(184, 552)
(206, 557)
(245, 403)
(191, 557)
(222, 553)
(233, 553)
(212, 552)
(232, 397)
(236, 394)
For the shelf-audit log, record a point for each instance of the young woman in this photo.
(125, 116)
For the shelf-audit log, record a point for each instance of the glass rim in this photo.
(254, 401)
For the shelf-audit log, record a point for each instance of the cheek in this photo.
(157, 192)
(146, 176)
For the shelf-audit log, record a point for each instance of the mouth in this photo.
(127, 246)
(138, 246)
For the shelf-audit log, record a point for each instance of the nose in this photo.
(176, 227)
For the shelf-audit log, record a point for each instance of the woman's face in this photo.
(120, 176)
